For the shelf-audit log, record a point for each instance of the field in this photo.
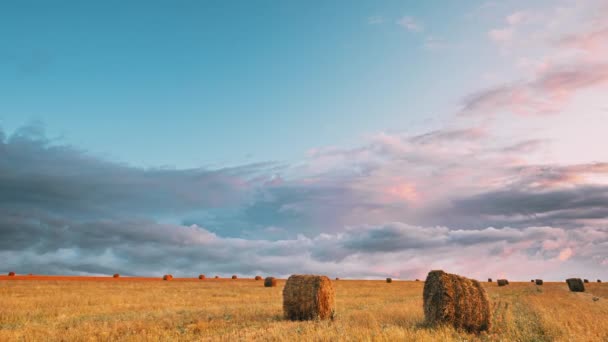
(106, 309)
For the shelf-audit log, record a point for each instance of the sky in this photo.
(358, 140)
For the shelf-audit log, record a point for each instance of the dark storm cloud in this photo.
(35, 173)
(544, 207)
(395, 237)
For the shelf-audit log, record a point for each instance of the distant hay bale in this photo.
(217, 277)
(201, 277)
(417, 279)
(586, 281)
(489, 280)
(11, 274)
(532, 280)
(599, 281)
(389, 280)
(575, 285)
(502, 282)
(452, 299)
(168, 277)
(270, 282)
(116, 275)
(538, 281)
(337, 278)
(258, 278)
(308, 297)
(234, 277)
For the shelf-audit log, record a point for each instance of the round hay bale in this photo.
(532, 280)
(489, 280)
(308, 297)
(599, 281)
(167, 277)
(452, 299)
(270, 282)
(337, 278)
(258, 278)
(11, 274)
(217, 277)
(538, 281)
(575, 284)
(502, 282)
(586, 281)
(417, 279)
(389, 280)
(234, 277)
(201, 277)
(116, 275)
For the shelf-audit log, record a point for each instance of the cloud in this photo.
(501, 35)
(593, 42)
(368, 251)
(37, 174)
(517, 18)
(565, 254)
(545, 94)
(410, 23)
(562, 51)
(561, 207)
(443, 199)
(506, 34)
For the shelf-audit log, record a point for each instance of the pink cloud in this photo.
(517, 18)
(593, 42)
(546, 94)
(501, 35)
(565, 254)
(404, 191)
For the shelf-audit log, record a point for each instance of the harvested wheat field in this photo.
(132, 309)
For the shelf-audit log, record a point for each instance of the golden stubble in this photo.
(243, 310)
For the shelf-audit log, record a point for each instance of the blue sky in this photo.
(334, 137)
(199, 83)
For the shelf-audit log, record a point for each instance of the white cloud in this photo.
(517, 18)
(410, 24)
(501, 35)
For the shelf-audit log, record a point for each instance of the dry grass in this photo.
(242, 310)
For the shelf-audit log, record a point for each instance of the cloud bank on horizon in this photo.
(514, 184)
